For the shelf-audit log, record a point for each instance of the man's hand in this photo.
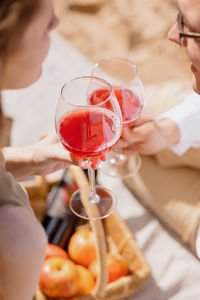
(149, 136)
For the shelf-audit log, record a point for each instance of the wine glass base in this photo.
(121, 169)
(93, 210)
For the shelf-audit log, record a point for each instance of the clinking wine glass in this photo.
(128, 87)
(88, 131)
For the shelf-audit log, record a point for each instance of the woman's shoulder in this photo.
(22, 249)
(11, 192)
(19, 228)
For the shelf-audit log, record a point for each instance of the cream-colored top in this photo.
(11, 192)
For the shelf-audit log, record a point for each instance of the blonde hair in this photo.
(14, 16)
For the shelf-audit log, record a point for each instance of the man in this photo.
(169, 180)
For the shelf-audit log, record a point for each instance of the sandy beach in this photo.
(132, 29)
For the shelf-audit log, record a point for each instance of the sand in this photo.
(132, 29)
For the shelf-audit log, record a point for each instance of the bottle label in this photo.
(59, 196)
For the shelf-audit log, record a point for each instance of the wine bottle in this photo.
(86, 173)
(59, 221)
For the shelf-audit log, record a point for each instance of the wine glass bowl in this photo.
(88, 131)
(129, 90)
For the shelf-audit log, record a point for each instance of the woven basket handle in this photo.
(97, 228)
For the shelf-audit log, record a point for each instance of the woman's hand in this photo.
(149, 136)
(42, 158)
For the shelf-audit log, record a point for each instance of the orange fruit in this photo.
(55, 251)
(81, 247)
(86, 281)
(116, 267)
(59, 278)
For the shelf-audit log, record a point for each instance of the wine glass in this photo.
(128, 87)
(88, 131)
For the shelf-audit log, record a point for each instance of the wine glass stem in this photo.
(93, 197)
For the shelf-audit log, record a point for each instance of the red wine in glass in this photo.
(129, 103)
(92, 132)
(128, 87)
(88, 131)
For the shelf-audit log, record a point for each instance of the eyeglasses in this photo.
(181, 29)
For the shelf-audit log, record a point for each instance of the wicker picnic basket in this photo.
(112, 234)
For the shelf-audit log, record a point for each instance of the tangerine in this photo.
(116, 267)
(81, 247)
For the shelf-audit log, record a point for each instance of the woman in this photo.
(24, 43)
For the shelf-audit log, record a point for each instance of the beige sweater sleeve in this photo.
(11, 192)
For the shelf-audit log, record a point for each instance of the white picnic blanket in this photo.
(175, 271)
